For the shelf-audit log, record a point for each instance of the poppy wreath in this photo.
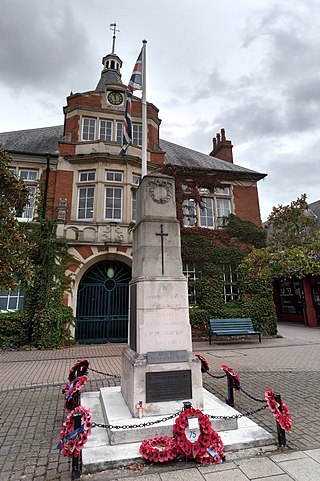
(236, 381)
(283, 417)
(207, 438)
(159, 449)
(72, 389)
(72, 440)
(80, 368)
(204, 364)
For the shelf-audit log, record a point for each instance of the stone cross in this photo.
(162, 235)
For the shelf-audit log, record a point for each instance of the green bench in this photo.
(239, 326)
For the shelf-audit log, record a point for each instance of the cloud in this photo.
(40, 43)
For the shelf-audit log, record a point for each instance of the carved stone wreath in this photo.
(160, 190)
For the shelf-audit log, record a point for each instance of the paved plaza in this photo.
(32, 408)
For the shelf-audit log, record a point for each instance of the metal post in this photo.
(187, 405)
(76, 461)
(281, 432)
(230, 398)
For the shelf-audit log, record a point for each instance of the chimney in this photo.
(222, 148)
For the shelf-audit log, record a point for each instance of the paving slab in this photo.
(191, 474)
(257, 468)
(231, 475)
(302, 469)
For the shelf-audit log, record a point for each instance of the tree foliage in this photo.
(293, 225)
(15, 263)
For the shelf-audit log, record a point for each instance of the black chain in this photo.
(135, 426)
(116, 376)
(237, 416)
(252, 397)
(216, 377)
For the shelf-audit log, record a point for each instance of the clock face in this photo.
(115, 98)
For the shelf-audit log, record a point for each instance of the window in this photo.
(28, 210)
(189, 212)
(89, 129)
(214, 207)
(29, 174)
(223, 210)
(207, 212)
(134, 204)
(136, 179)
(114, 176)
(87, 176)
(137, 134)
(113, 203)
(85, 202)
(291, 297)
(11, 300)
(119, 132)
(105, 130)
(230, 279)
(192, 272)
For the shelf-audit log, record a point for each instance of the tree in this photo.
(293, 225)
(15, 265)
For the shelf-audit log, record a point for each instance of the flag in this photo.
(135, 83)
(136, 77)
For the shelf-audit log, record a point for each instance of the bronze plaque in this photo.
(168, 386)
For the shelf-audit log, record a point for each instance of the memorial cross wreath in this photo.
(72, 440)
(283, 417)
(159, 449)
(72, 389)
(208, 438)
(82, 366)
(236, 381)
(204, 363)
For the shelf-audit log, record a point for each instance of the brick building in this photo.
(91, 191)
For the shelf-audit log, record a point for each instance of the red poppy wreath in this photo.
(72, 392)
(283, 417)
(204, 363)
(80, 368)
(208, 448)
(159, 449)
(72, 440)
(236, 381)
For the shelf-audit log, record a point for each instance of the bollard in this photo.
(230, 398)
(76, 462)
(281, 432)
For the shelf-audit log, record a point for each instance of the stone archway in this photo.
(102, 303)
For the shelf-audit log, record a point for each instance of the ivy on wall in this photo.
(212, 249)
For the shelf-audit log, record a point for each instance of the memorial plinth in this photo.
(158, 367)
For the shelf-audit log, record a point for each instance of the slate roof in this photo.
(108, 77)
(179, 155)
(44, 141)
(40, 141)
(315, 208)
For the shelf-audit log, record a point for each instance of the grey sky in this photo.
(250, 66)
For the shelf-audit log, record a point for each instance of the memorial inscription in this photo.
(168, 386)
(158, 357)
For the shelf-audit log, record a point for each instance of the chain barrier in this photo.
(252, 397)
(115, 376)
(241, 415)
(216, 377)
(135, 426)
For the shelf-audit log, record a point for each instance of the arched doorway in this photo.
(103, 301)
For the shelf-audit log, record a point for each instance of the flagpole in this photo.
(144, 112)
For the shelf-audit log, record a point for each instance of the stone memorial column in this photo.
(158, 367)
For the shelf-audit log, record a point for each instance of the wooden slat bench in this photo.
(239, 326)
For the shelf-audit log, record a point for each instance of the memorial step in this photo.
(118, 447)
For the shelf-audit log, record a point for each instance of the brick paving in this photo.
(32, 405)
